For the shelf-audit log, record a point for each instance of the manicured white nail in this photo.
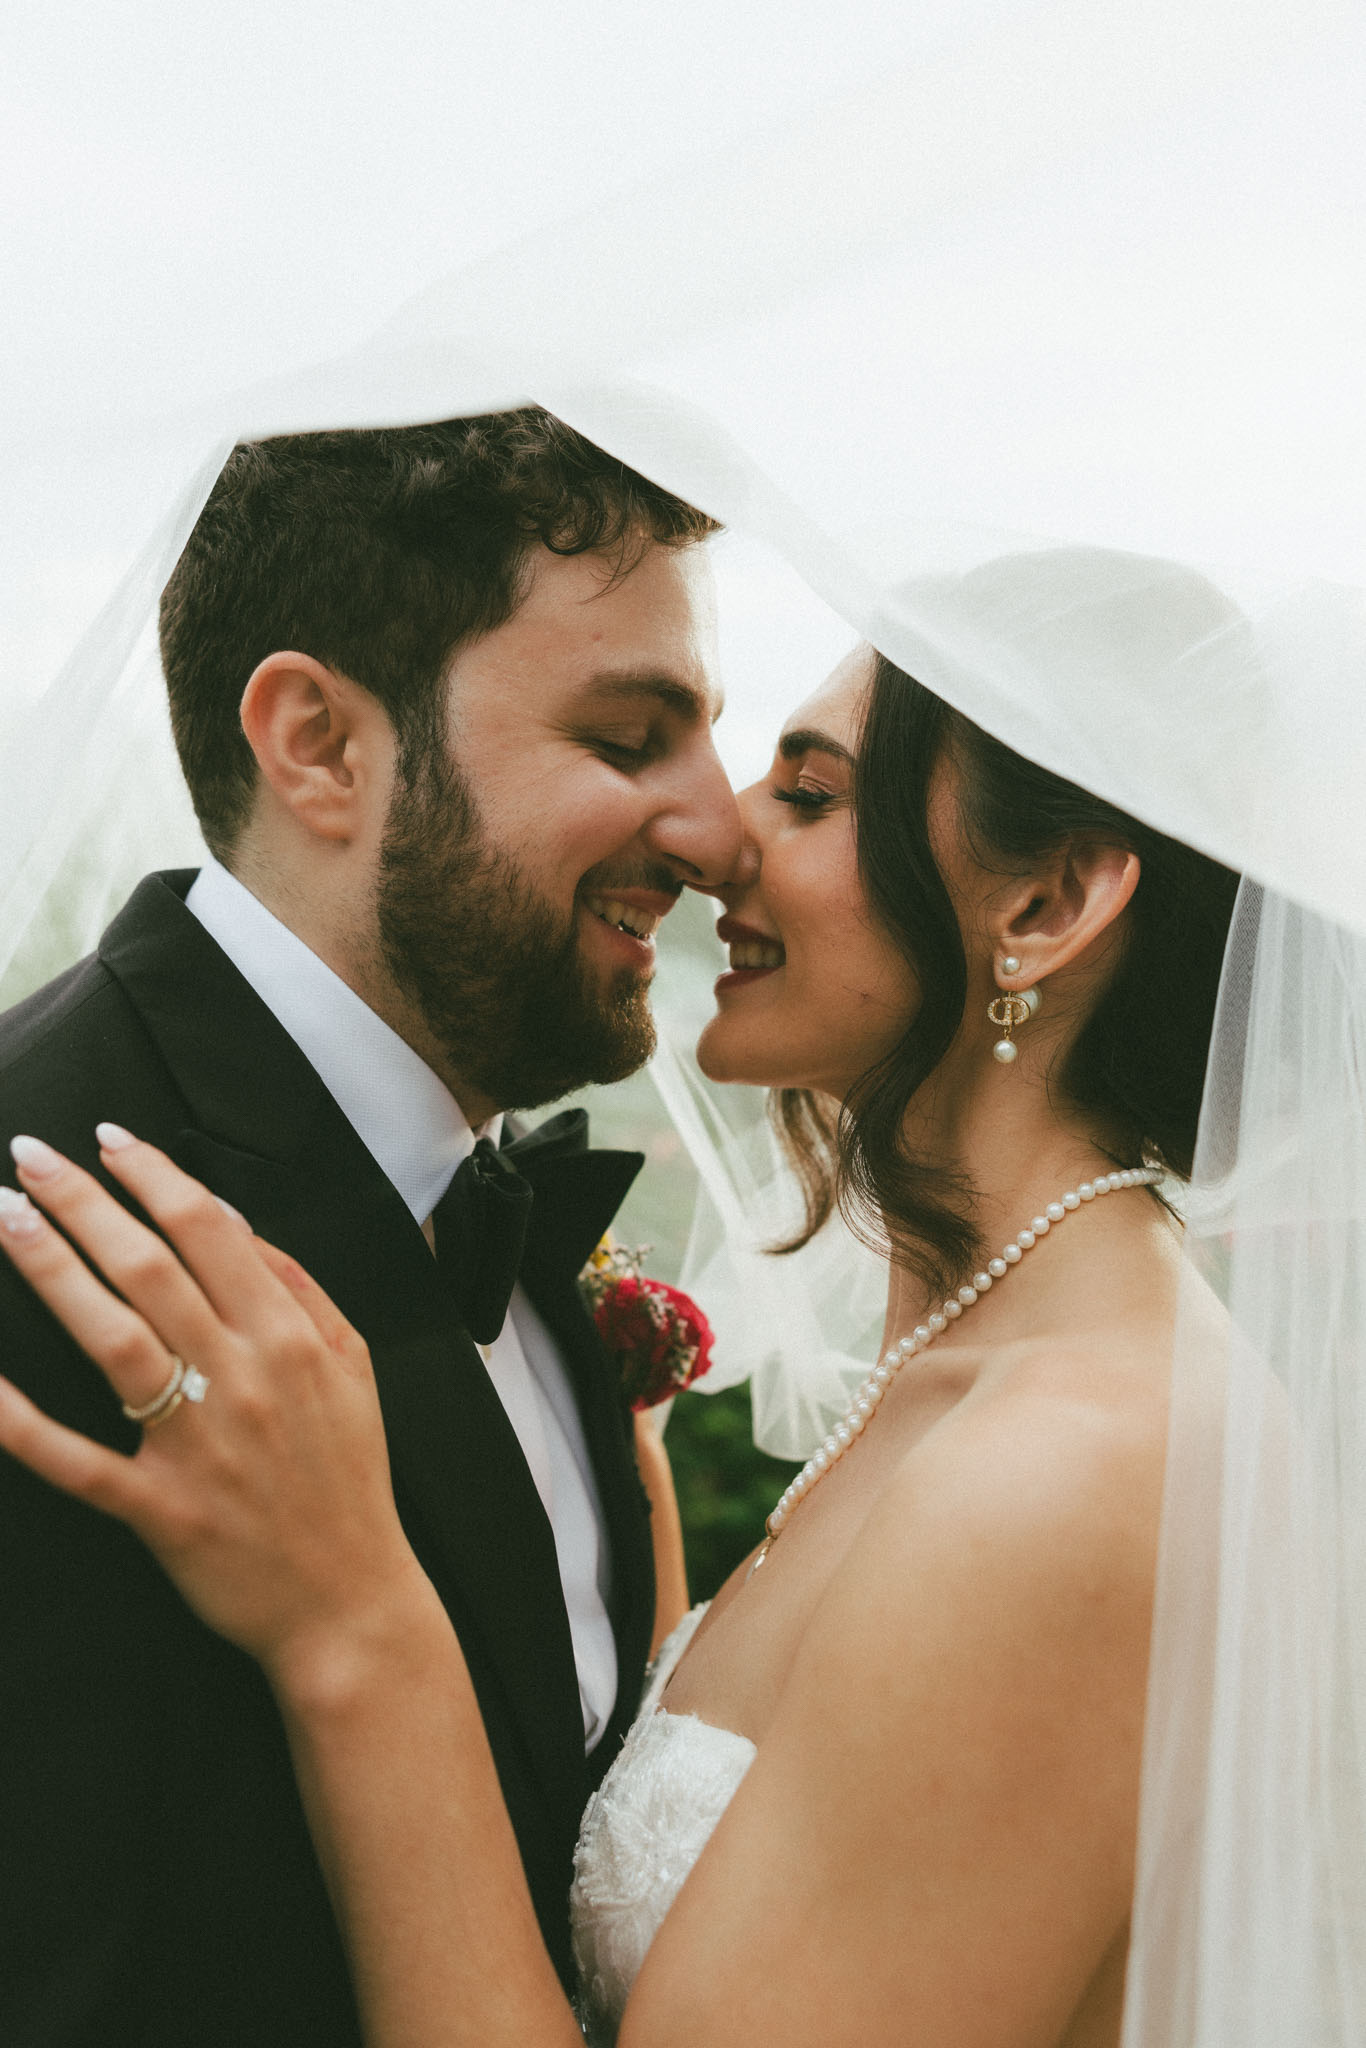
(228, 1210)
(18, 1217)
(113, 1137)
(38, 1160)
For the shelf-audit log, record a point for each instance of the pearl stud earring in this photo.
(1010, 965)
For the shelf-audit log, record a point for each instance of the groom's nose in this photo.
(745, 864)
(697, 828)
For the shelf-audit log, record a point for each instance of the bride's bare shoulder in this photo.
(1027, 1517)
(1074, 1423)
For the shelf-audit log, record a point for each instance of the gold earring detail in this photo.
(1010, 1012)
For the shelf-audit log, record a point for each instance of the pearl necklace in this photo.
(867, 1400)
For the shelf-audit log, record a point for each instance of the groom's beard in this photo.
(495, 970)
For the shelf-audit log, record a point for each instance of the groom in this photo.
(443, 698)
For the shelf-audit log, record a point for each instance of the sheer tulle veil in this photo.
(1039, 362)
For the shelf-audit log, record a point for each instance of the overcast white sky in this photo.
(195, 196)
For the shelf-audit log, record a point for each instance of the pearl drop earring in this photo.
(1010, 1012)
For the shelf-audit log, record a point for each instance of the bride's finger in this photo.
(322, 1311)
(206, 1279)
(215, 1243)
(100, 1477)
(191, 1218)
(133, 1356)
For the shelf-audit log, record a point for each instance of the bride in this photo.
(888, 1789)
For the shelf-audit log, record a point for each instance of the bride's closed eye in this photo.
(803, 798)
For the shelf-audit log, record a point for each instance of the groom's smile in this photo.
(523, 881)
(634, 915)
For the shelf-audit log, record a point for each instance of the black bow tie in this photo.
(480, 1223)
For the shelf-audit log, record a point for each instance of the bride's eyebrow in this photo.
(807, 740)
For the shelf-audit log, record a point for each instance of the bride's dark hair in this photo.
(1137, 1066)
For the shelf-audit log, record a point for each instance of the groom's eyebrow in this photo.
(807, 740)
(686, 700)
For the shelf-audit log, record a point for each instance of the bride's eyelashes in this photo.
(812, 801)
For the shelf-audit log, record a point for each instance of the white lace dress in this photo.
(644, 1829)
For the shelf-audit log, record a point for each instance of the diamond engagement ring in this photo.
(187, 1383)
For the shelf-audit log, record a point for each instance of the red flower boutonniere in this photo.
(660, 1338)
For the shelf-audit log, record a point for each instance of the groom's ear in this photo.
(319, 741)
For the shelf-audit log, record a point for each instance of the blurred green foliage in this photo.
(725, 1487)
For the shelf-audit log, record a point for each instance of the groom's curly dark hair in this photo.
(380, 552)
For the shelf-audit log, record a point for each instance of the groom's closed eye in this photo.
(640, 717)
(623, 754)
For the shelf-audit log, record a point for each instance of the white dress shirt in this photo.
(411, 1124)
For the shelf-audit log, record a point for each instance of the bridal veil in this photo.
(1037, 358)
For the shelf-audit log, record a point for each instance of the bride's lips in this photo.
(753, 955)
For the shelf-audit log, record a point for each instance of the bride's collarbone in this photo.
(735, 1669)
(733, 1672)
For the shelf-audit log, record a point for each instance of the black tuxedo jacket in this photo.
(157, 1883)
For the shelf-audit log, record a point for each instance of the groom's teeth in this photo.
(756, 953)
(641, 924)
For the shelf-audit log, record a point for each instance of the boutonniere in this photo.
(659, 1337)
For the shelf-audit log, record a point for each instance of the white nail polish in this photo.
(38, 1160)
(18, 1217)
(113, 1137)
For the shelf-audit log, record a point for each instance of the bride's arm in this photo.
(666, 1528)
(421, 1863)
(271, 1507)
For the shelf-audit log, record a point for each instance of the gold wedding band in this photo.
(187, 1383)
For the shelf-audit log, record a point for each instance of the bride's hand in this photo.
(269, 1504)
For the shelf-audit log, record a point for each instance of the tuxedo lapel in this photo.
(264, 1133)
(577, 1193)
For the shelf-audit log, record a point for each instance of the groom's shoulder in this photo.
(66, 1037)
(69, 1048)
(79, 1002)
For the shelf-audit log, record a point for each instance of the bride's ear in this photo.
(317, 738)
(1062, 913)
